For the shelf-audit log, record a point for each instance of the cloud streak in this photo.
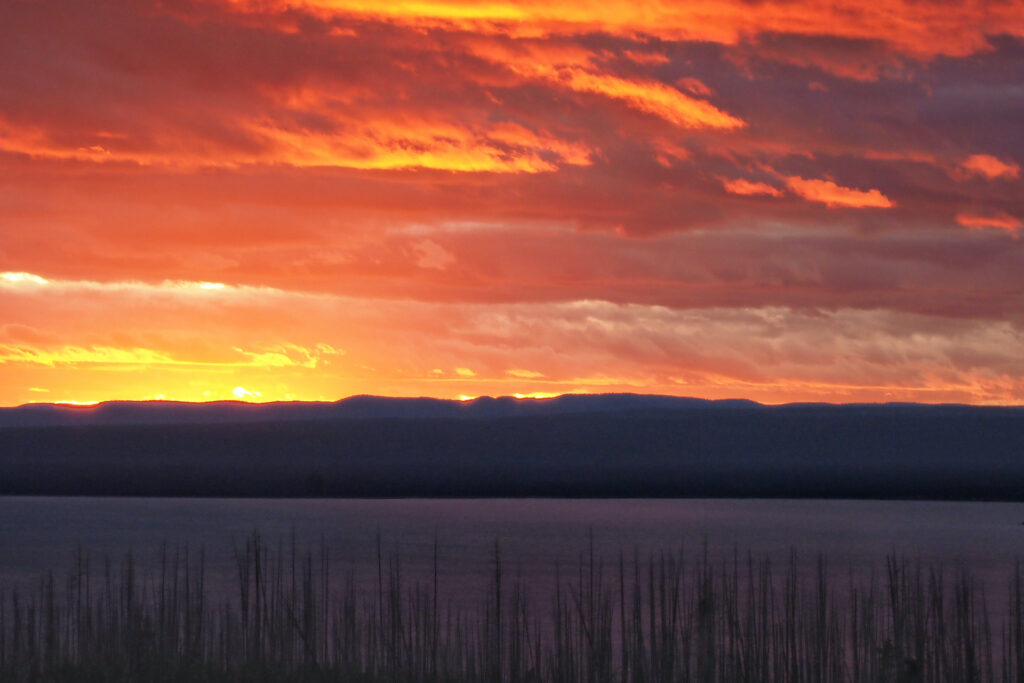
(832, 195)
(745, 187)
(921, 29)
(997, 221)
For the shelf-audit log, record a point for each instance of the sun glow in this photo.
(537, 394)
(27, 278)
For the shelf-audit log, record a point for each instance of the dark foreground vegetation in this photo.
(662, 617)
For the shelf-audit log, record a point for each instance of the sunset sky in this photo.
(310, 199)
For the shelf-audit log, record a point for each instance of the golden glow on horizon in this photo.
(243, 395)
(214, 367)
(291, 356)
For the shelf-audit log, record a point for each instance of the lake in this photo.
(39, 534)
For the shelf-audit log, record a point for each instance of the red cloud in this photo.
(998, 221)
(989, 166)
(646, 58)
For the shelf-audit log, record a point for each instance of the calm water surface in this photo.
(42, 534)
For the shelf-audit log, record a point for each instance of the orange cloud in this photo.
(923, 29)
(833, 195)
(989, 167)
(652, 97)
(745, 187)
(998, 221)
(370, 145)
(573, 69)
(384, 145)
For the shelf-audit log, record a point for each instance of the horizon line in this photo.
(89, 405)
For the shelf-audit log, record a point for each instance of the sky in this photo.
(310, 199)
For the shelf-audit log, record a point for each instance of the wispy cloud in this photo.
(998, 221)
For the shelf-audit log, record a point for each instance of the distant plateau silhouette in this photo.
(612, 445)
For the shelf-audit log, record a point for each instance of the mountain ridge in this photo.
(365, 406)
(609, 445)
